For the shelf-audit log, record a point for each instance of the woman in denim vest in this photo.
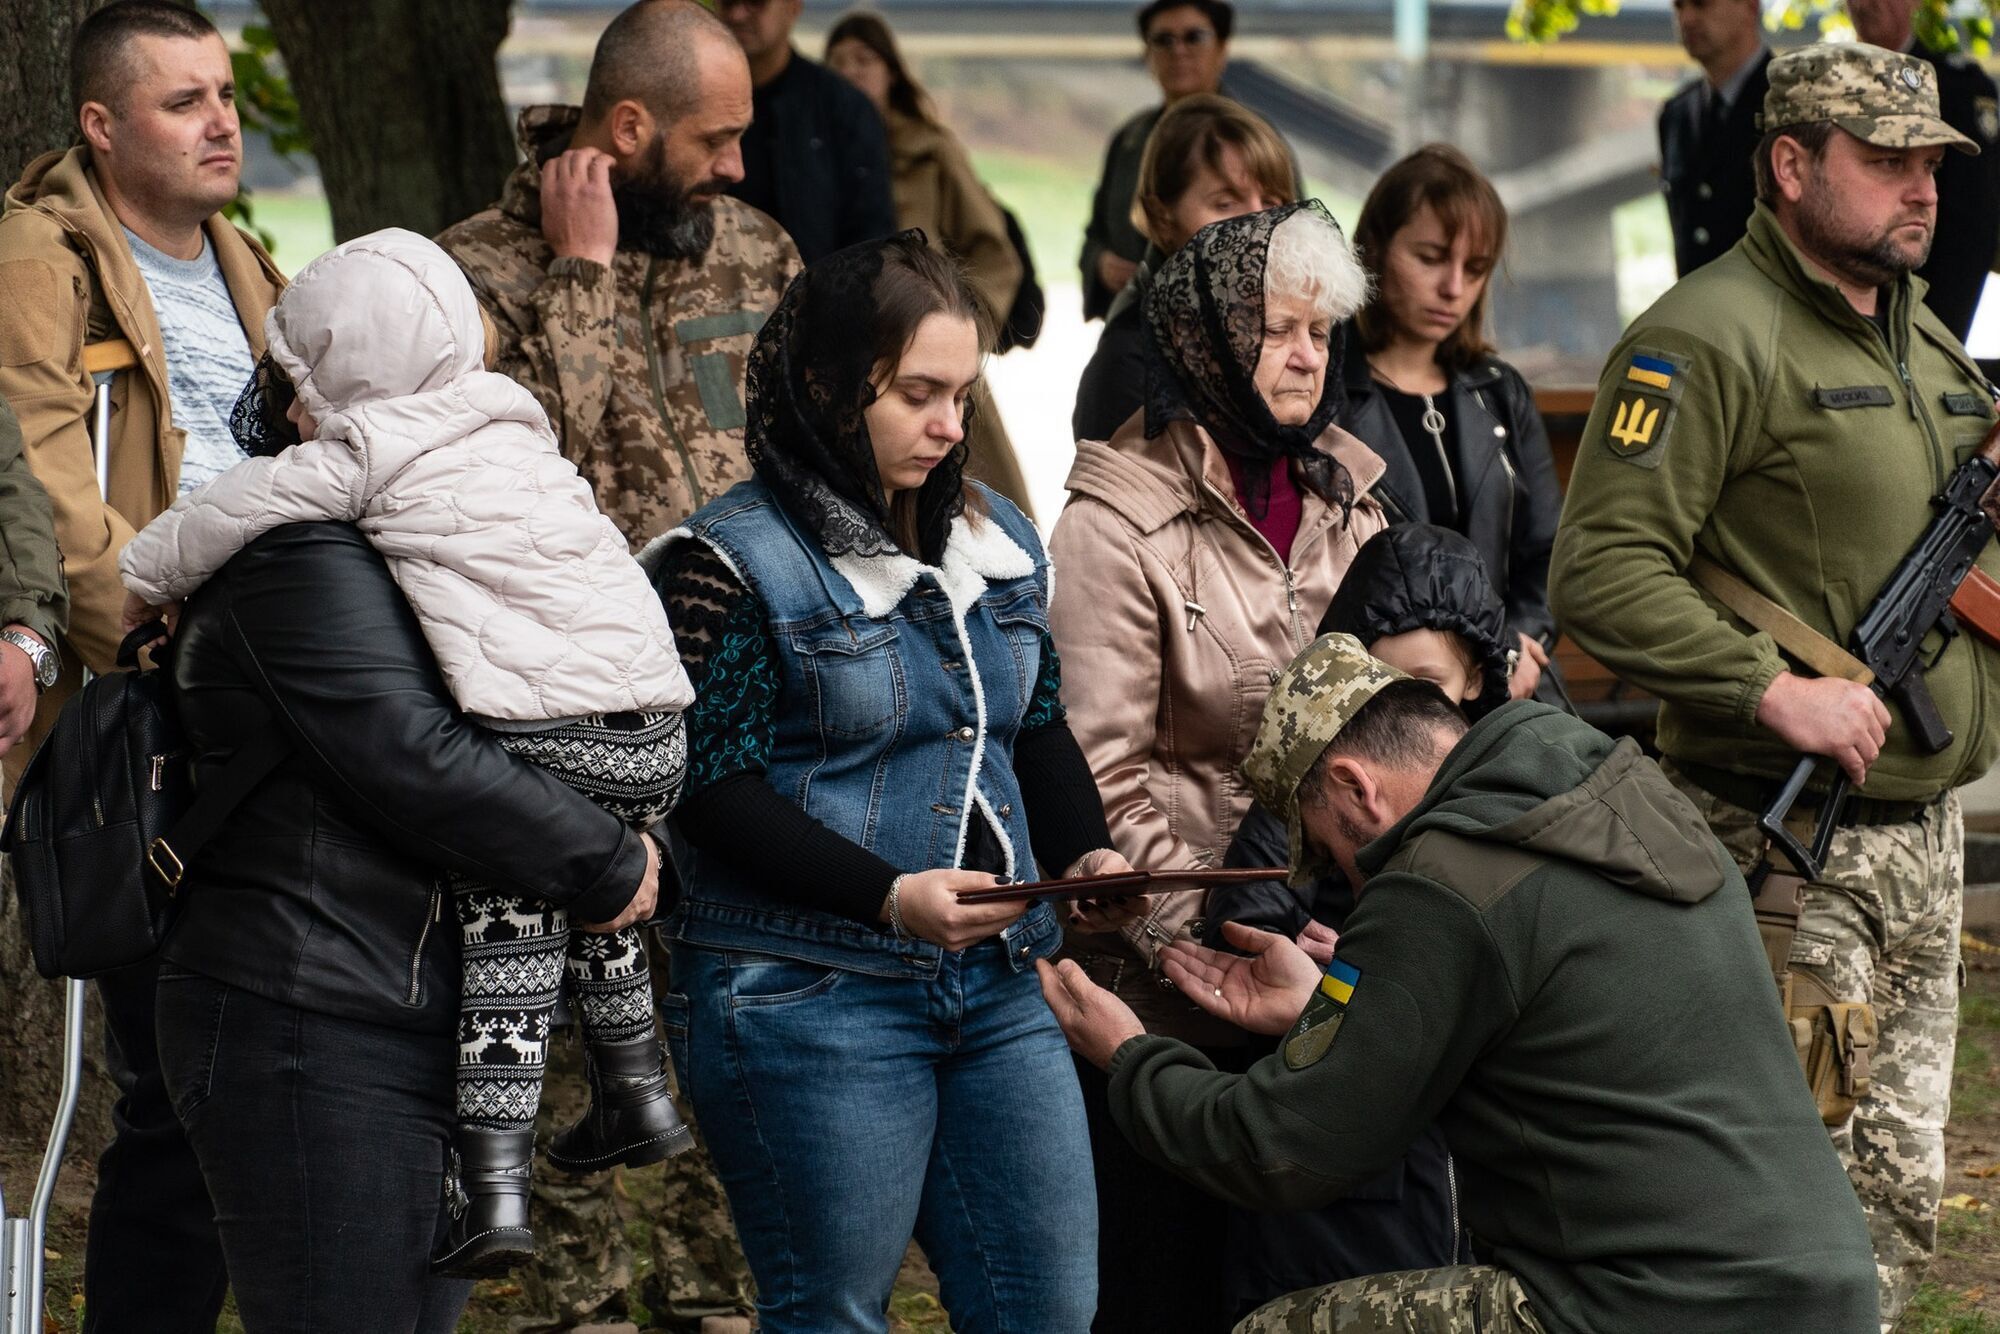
(878, 727)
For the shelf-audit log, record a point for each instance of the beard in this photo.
(1873, 258)
(656, 213)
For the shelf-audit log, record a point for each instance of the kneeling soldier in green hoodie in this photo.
(1552, 960)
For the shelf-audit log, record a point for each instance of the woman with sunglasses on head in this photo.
(877, 727)
(1456, 425)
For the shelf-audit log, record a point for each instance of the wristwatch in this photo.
(39, 654)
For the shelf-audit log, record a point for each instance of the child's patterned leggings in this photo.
(514, 951)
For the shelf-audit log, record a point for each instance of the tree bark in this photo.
(34, 78)
(401, 99)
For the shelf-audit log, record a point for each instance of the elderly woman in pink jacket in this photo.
(373, 406)
(1204, 541)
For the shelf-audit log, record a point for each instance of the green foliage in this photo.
(1550, 20)
(1936, 26)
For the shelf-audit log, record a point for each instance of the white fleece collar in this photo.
(974, 556)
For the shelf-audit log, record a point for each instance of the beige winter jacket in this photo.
(525, 591)
(1172, 618)
(67, 280)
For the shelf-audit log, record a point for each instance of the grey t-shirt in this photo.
(208, 355)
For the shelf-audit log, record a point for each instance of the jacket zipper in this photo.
(1451, 1188)
(1291, 583)
(434, 913)
(653, 374)
(1450, 482)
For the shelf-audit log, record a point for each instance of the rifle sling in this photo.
(1794, 636)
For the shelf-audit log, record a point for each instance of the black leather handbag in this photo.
(106, 820)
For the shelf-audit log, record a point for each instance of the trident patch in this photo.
(1642, 405)
(1632, 429)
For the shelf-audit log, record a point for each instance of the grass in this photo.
(1935, 1310)
(1975, 1080)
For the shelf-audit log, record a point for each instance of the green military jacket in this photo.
(1753, 416)
(1554, 962)
(640, 365)
(32, 592)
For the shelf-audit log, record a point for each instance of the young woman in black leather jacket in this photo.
(1455, 424)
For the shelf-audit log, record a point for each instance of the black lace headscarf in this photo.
(810, 382)
(1204, 336)
(259, 420)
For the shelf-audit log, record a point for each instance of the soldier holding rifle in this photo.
(1770, 442)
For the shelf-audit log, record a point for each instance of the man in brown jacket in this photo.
(625, 285)
(161, 154)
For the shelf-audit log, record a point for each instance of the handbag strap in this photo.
(172, 852)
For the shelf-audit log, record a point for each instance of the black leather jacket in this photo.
(325, 888)
(1510, 497)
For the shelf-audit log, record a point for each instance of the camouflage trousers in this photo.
(1881, 926)
(587, 1230)
(1461, 1299)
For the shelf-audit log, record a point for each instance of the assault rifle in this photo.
(1930, 590)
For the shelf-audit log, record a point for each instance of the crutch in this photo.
(24, 1241)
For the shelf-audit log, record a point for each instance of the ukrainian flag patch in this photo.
(1651, 372)
(1338, 984)
(1314, 1032)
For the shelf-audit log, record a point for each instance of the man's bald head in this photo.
(652, 54)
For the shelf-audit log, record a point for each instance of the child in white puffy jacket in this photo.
(546, 631)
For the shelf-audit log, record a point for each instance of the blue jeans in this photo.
(322, 1141)
(847, 1113)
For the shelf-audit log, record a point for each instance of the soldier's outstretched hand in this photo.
(1263, 990)
(1095, 1022)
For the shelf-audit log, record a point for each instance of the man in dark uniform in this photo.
(1708, 130)
(1968, 208)
(816, 155)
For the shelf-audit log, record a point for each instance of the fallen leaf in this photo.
(504, 1290)
(1970, 1204)
(51, 1254)
(1989, 1170)
(1974, 1294)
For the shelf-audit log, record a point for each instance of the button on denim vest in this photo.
(897, 713)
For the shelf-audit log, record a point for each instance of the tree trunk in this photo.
(34, 100)
(34, 78)
(401, 99)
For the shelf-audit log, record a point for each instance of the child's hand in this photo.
(138, 611)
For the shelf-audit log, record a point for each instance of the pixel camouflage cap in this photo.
(1880, 97)
(1313, 698)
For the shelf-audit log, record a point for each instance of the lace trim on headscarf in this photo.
(810, 383)
(258, 419)
(1204, 335)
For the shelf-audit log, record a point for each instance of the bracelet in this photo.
(896, 907)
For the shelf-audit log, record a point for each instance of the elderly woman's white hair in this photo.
(1310, 255)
